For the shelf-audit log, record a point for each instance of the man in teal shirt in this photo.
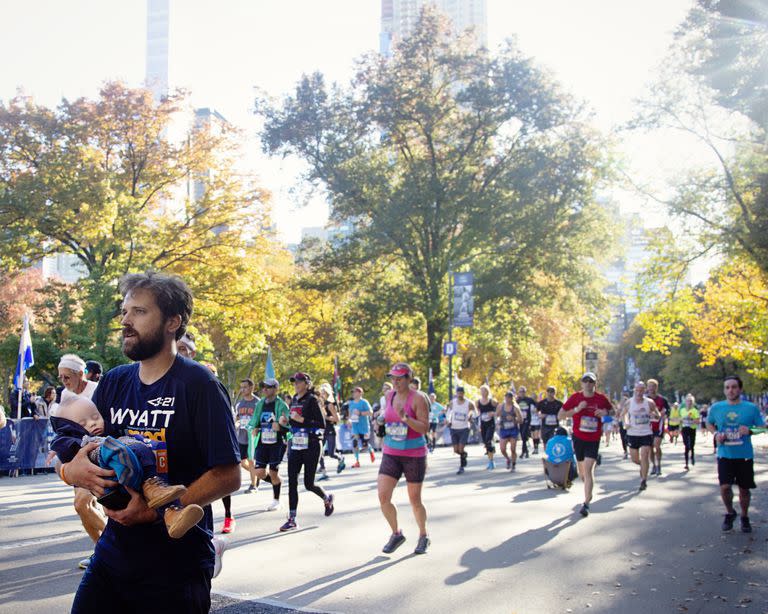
(730, 422)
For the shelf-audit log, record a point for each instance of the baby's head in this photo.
(84, 412)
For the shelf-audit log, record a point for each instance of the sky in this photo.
(605, 52)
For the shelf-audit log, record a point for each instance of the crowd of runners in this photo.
(201, 441)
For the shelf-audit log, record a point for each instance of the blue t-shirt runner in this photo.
(727, 418)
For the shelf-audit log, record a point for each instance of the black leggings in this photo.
(689, 440)
(487, 429)
(330, 448)
(623, 435)
(525, 433)
(296, 460)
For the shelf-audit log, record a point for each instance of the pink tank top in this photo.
(401, 439)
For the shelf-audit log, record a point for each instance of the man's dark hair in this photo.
(172, 295)
(417, 381)
(735, 378)
(248, 381)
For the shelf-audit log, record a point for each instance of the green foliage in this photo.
(444, 158)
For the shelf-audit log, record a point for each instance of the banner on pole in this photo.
(463, 301)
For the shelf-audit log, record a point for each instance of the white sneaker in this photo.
(275, 505)
(85, 562)
(220, 544)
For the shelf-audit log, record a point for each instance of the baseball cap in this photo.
(459, 388)
(590, 376)
(93, 366)
(510, 393)
(269, 382)
(357, 389)
(401, 369)
(300, 377)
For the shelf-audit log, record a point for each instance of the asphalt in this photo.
(501, 542)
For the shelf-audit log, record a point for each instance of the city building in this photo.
(399, 17)
(158, 40)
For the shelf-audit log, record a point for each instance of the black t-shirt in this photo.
(549, 408)
(189, 411)
(527, 404)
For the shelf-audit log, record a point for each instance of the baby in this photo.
(78, 422)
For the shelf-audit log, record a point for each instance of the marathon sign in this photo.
(463, 301)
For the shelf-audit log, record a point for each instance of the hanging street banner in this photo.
(463, 302)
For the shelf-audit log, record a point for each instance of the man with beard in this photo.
(176, 402)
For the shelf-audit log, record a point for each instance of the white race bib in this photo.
(509, 425)
(487, 416)
(589, 424)
(354, 417)
(244, 420)
(732, 436)
(550, 420)
(398, 431)
(641, 419)
(300, 440)
(687, 422)
(268, 435)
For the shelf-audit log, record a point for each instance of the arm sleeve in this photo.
(214, 428)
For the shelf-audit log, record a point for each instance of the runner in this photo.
(637, 413)
(673, 423)
(527, 406)
(436, 411)
(406, 418)
(622, 426)
(457, 418)
(307, 424)
(548, 409)
(586, 408)
(243, 414)
(689, 415)
(510, 418)
(730, 422)
(268, 427)
(536, 425)
(359, 418)
(657, 425)
(608, 426)
(487, 409)
(328, 403)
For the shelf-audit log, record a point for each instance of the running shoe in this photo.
(329, 505)
(653, 470)
(395, 541)
(229, 525)
(275, 505)
(356, 465)
(290, 525)
(219, 546)
(85, 562)
(728, 521)
(323, 476)
(509, 464)
(373, 456)
(599, 459)
(340, 467)
(460, 471)
(251, 489)
(686, 468)
(489, 466)
(746, 526)
(584, 511)
(658, 471)
(643, 485)
(535, 451)
(625, 456)
(693, 460)
(422, 545)
(513, 466)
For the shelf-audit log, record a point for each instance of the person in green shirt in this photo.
(689, 419)
(673, 424)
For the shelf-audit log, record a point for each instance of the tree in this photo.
(102, 180)
(444, 158)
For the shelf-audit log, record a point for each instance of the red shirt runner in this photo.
(586, 425)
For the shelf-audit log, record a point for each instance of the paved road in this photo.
(502, 542)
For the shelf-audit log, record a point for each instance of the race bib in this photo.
(300, 440)
(354, 417)
(268, 435)
(509, 425)
(398, 431)
(244, 420)
(535, 419)
(732, 436)
(687, 422)
(550, 420)
(487, 416)
(641, 419)
(589, 424)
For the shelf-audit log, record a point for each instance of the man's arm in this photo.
(217, 482)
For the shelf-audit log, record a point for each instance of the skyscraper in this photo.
(398, 18)
(158, 31)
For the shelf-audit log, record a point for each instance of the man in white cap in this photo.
(586, 408)
(72, 375)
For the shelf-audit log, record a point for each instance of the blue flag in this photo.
(270, 370)
(431, 389)
(26, 358)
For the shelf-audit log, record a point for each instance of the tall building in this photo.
(158, 38)
(399, 17)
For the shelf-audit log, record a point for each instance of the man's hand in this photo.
(582, 405)
(720, 437)
(600, 413)
(80, 471)
(136, 512)
(275, 426)
(744, 430)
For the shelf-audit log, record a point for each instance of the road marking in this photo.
(42, 540)
(267, 601)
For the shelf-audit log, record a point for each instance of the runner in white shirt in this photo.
(637, 413)
(457, 417)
